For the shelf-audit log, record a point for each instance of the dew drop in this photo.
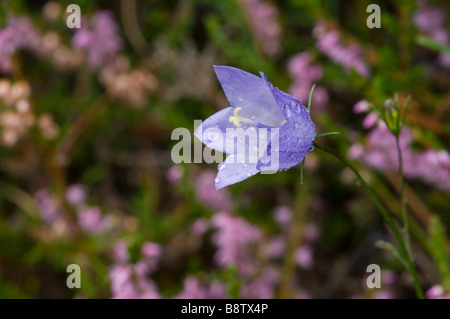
(287, 111)
(217, 180)
(222, 167)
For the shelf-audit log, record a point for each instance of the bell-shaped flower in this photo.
(263, 130)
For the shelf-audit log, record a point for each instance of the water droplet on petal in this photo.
(287, 111)
(222, 167)
(217, 180)
(253, 117)
(296, 125)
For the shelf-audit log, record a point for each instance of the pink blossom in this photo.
(264, 19)
(200, 226)
(304, 257)
(283, 216)
(205, 190)
(174, 174)
(194, 290)
(233, 237)
(76, 194)
(349, 57)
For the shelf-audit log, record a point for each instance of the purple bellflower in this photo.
(256, 106)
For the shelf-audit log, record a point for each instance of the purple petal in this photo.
(231, 172)
(212, 132)
(294, 141)
(250, 93)
(289, 106)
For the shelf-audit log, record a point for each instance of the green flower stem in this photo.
(388, 219)
(403, 197)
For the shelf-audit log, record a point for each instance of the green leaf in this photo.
(432, 44)
(310, 97)
(326, 134)
(438, 250)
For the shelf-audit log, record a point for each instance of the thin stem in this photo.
(402, 195)
(81, 124)
(387, 218)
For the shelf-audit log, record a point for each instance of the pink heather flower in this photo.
(264, 19)
(148, 264)
(121, 282)
(388, 277)
(194, 290)
(283, 216)
(200, 226)
(18, 34)
(435, 292)
(305, 75)
(380, 152)
(48, 208)
(205, 189)
(101, 41)
(444, 60)
(383, 294)
(304, 257)
(174, 174)
(262, 287)
(370, 120)
(233, 237)
(120, 252)
(76, 194)
(361, 107)
(355, 151)
(91, 220)
(151, 250)
(124, 286)
(276, 247)
(350, 57)
(131, 280)
(430, 20)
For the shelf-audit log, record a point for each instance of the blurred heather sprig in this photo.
(330, 44)
(305, 74)
(98, 38)
(264, 21)
(431, 166)
(430, 20)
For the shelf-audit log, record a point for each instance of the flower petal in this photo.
(231, 172)
(250, 93)
(288, 105)
(292, 142)
(212, 131)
